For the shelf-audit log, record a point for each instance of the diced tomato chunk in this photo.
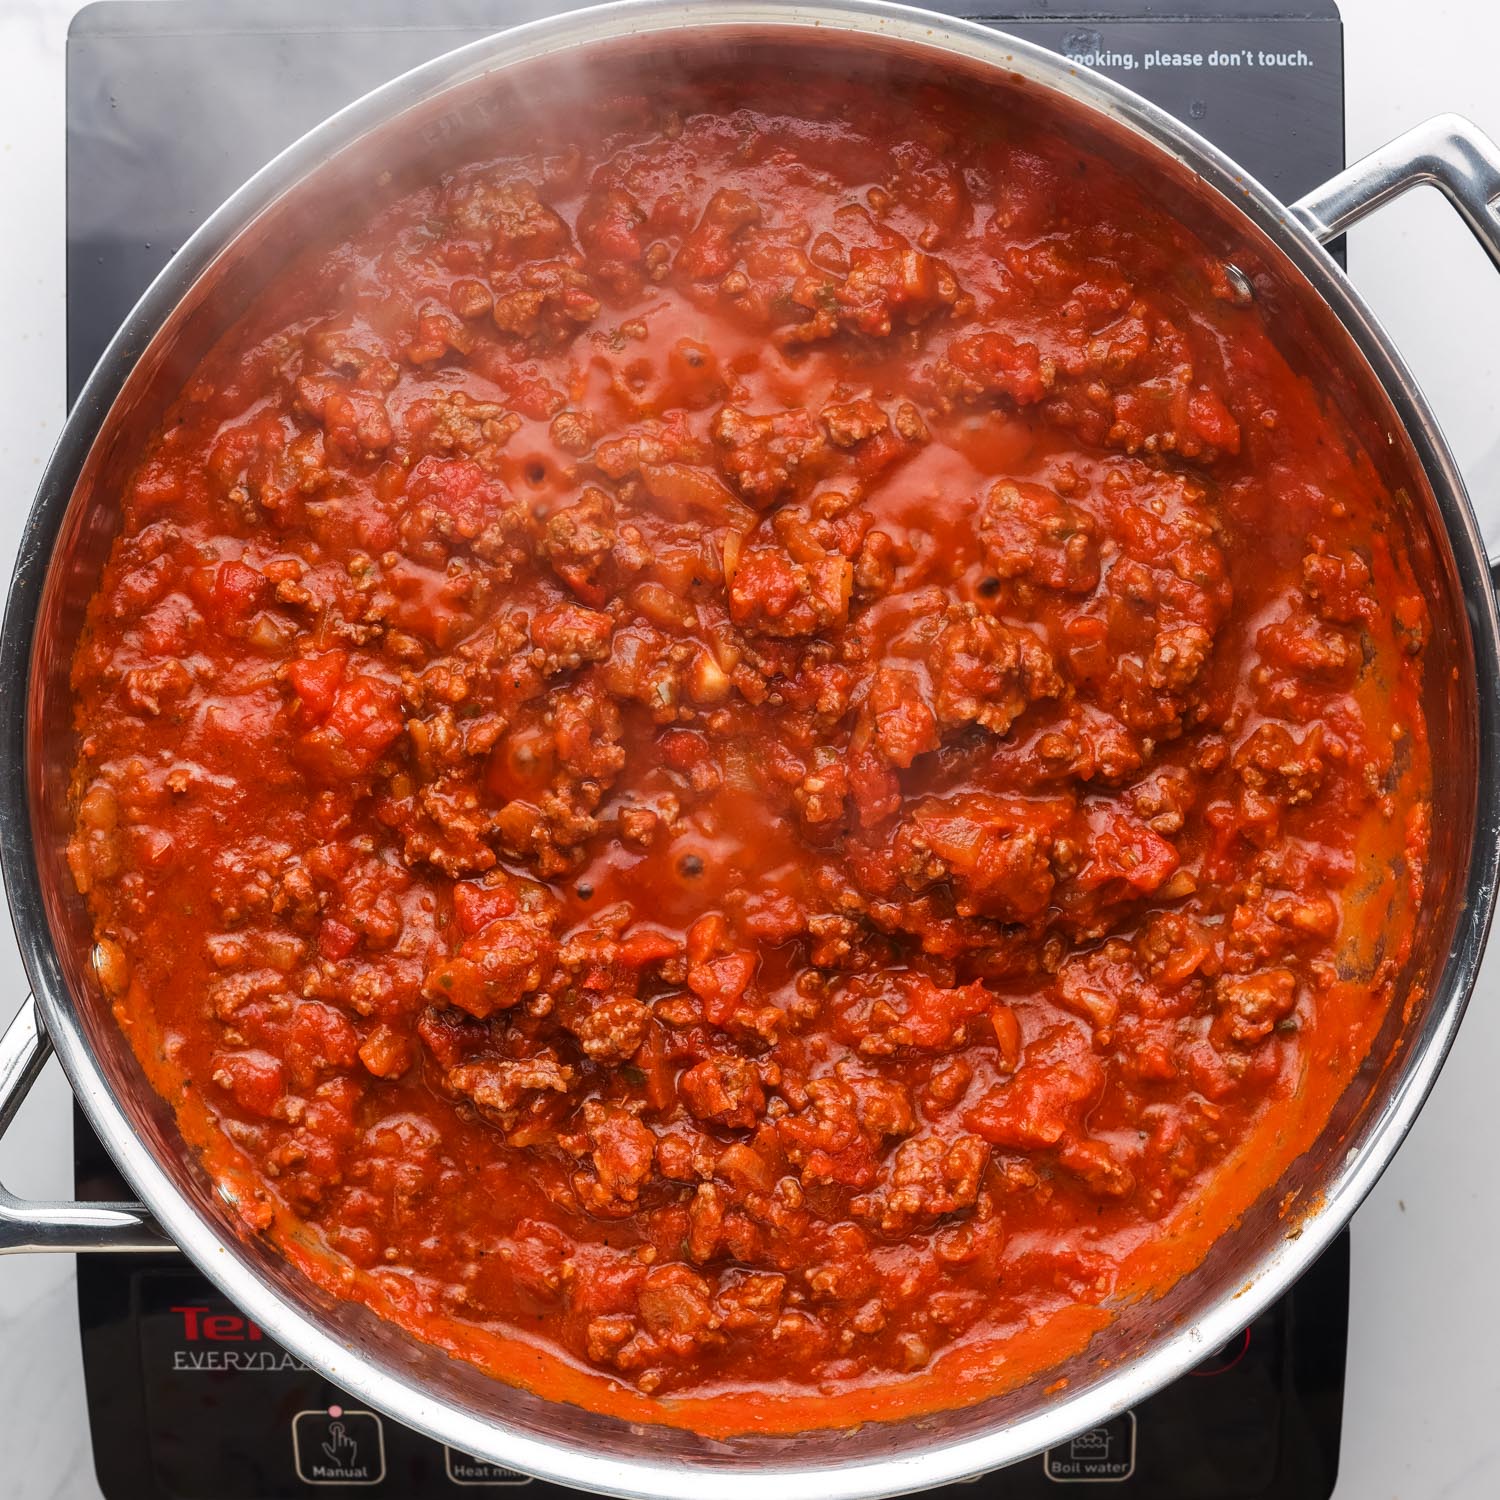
(1122, 849)
(336, 940)
(237, 590)
(254, 1079)
(460, 489)
(364, 716)
(315, 680)
(476, 906)
(644, 946)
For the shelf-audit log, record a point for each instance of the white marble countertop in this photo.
(1420, 1417)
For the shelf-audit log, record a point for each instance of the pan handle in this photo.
(1447, 152)
(80, 1227)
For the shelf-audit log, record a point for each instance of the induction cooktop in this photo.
(171, 104)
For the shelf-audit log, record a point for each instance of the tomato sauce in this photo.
(751, 763)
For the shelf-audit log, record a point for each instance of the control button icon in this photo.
(334, 1446)
(1102, 1454)
(464, 1468)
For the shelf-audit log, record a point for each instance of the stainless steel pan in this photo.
(437, 112)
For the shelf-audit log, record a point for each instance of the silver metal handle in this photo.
(80, 1227)
(1447, 152)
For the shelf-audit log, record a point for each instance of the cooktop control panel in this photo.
(189, 1400)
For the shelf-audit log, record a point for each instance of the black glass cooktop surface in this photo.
(171, 104)
(188, 1400)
